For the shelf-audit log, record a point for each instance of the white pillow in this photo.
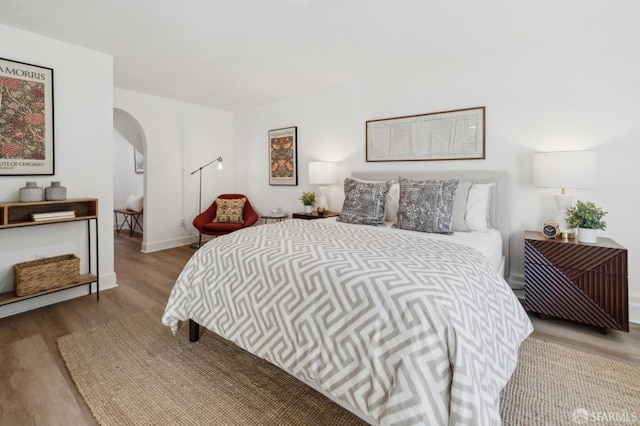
(135, 202)
(477, 212)
(458, 223)
(392, 203)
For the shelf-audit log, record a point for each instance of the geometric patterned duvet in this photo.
(405, 329)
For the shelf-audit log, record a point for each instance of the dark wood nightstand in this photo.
(587, 283)
(314, 215)
(274, 216)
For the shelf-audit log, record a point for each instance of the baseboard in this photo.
(516, 281)
(150, 247)
(517, 284)
(107, 281)
(634, 310)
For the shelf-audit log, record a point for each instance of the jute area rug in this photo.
(134, 371)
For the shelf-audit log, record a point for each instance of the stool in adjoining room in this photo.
(131, 218)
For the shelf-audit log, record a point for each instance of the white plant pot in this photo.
(308, 209)
(587, 236)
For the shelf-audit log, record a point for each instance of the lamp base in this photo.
(322, 197)
(563, 202)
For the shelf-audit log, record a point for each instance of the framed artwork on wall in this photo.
(138, 161)
(283, 156)
(26, 119)
(448, 135)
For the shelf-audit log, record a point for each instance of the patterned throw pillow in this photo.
(229, 210)
(426, 205)
(364, 202)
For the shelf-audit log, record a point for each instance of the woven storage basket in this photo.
(46, 274)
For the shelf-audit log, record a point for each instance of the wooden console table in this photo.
(16, 215)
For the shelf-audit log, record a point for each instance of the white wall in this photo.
(575, 94)
(180, 138)
(125, 180)
(83, 100)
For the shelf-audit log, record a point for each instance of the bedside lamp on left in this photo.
(323, 173)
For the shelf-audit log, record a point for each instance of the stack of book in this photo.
(39, 217)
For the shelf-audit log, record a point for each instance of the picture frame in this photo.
(26, 113)
(283, 156)
(138, 161)
(448, 135)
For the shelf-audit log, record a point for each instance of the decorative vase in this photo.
(587, 236)
(31, 193)
(55, 192)
(308, 209)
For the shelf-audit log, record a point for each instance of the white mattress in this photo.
(488, 243)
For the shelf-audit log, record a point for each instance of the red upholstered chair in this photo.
(204, 221)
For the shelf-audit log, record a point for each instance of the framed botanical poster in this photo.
(138, 161)
(26, 119)
(283, 156)
(447, 135)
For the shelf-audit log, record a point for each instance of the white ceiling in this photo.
(237, 54)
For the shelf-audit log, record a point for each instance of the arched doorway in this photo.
(129, 175)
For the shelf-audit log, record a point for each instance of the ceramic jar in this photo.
(55, 192)
(31, 193)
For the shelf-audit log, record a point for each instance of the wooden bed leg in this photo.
(194, 331)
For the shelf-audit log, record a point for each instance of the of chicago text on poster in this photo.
(26, 119)
(283, 156)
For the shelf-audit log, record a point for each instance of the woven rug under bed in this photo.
(134, 371)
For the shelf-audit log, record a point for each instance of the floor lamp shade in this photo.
(323, 173)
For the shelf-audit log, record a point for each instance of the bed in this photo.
(397, 326)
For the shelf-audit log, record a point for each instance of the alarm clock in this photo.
(551, 229)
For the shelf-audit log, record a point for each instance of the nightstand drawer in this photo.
(577, 256)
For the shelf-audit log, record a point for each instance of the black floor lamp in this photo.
(199, 171)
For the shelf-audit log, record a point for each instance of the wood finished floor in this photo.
(35, 387)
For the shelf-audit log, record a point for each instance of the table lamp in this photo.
(323, 173)
(564, 169)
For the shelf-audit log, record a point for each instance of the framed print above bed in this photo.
(448, 135)
(26, 119)
(283, 156)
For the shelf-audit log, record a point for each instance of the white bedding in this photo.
(488, 243)
(401, 328)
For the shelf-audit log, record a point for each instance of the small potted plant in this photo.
(587, 218)
(308, 201)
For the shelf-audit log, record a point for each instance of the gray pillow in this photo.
(426, 205)
(364, 202)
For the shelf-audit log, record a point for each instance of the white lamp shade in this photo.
(323, 173)
(565, 169)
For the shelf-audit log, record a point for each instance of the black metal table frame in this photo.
(130, 218)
